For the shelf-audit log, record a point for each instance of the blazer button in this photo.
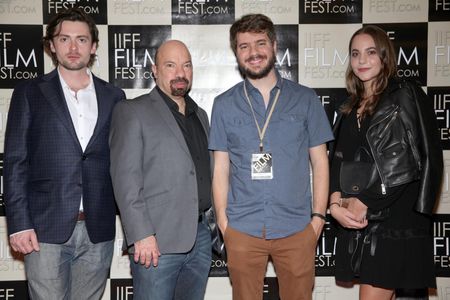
(83, 157)
(192, 172)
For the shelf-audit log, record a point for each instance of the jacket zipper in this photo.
(389, 123)
(413, 149)
(395, 112)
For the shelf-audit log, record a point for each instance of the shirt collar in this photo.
(90, 86)
(191, 106)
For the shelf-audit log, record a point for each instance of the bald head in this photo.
(173, 69)
(174, 44)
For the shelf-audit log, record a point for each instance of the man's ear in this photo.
(154, 71)
(52, 47)
(94, 48)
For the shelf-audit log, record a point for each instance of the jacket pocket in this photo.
(393, 151)
(41, 185)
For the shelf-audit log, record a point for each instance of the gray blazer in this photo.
(153, 174)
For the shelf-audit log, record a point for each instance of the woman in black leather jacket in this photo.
(389, 127)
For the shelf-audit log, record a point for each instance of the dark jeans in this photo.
(177, 276)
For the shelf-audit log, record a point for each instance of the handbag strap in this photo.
(362, 150)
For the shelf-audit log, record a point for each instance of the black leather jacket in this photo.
(404, 142)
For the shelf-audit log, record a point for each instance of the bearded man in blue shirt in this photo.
(265, 132)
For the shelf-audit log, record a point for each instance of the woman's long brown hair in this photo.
(355, 87)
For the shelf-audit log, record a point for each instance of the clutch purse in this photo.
(355, 176)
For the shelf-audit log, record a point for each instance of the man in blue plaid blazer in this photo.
(59, 200)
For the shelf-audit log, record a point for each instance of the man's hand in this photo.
(146, 251)
(24, 242)
(317, 225)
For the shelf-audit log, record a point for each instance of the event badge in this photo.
(261, 163)
(262, 166)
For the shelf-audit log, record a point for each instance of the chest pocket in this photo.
(288, 129)
(242, 134)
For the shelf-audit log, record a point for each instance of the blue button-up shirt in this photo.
(281, 206)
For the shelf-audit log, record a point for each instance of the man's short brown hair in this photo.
(255, 23)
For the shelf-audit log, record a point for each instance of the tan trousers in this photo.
(292, 256)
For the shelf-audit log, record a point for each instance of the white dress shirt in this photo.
(83, 110)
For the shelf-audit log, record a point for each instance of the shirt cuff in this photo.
(15, 233)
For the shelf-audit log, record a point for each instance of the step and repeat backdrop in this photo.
(312, 50)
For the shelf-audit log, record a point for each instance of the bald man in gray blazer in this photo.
(160, 168)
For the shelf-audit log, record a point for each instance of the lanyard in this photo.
(262, 132)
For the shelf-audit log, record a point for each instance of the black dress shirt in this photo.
(197, 142)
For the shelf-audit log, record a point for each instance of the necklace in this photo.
(359, 118)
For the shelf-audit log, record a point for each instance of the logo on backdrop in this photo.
(330, 12)
(121, 289)
(127, 9)
(439, 10)
(441, 232)
(13, 290)
(287, 55)
(410, 43)
(331, 99)
(441, 102)
(202, 11)
(95, 8)
(273, 8)
(270, 289)
(325, 250)
(18, 8)
(20, 58)
(11, 263)
(439, 58)
(218, 265)
(324, 54)
(131, 54)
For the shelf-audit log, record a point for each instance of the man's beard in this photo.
(179, 91)
(67, 64)
(246, 72)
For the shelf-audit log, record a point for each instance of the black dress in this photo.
(394, 252)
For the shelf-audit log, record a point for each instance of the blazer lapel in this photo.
(168, 118)
(103, 108)
(53, 93)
